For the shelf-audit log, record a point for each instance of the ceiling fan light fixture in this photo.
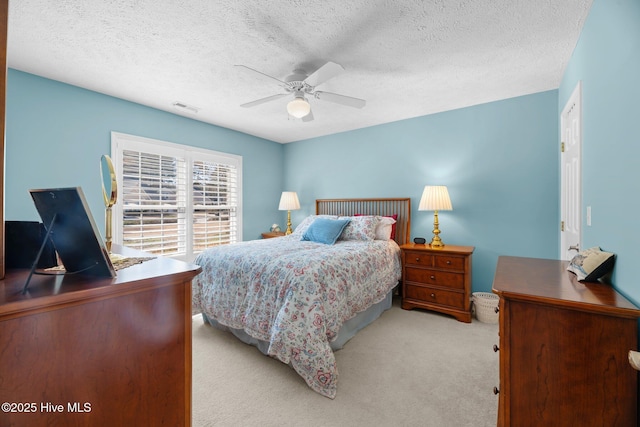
(299, 107)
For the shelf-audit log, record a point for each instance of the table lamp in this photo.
(435, 198)
(289, 202)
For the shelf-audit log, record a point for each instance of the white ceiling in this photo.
(407, 58)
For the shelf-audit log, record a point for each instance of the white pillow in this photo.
(384, 227)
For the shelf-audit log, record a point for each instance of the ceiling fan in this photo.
(299, 84)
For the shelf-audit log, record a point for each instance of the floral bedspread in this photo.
(296, 295)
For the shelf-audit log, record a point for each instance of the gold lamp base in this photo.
(436, 242)
(289, 230)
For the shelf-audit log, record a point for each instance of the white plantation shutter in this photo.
(154, 203)
(175, 200)
(215, 201)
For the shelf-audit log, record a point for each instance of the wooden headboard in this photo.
(383, 207)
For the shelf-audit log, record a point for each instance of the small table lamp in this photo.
(289, 202)
(435, 198)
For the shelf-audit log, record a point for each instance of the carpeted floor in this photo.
(408, 368)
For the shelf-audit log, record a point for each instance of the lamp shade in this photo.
(289, 201)
(435, 198)
(299, 107)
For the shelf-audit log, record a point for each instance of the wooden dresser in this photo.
(77, 351)
(437, 279)
(563, 348)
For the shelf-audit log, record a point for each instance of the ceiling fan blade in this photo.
(308, 117)
(340, 99)
(324, 73)
(280, 82)
(263, 100)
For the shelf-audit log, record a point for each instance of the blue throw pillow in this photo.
(325, 230)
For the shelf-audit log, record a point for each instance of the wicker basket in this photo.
(484, 305)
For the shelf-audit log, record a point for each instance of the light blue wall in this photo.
(500, 162)
(607, 61)
(56, 134)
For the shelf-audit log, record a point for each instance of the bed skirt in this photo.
(347, 331)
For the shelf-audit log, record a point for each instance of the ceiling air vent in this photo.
(185, 108)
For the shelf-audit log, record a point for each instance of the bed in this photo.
(299, 298)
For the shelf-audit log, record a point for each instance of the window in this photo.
(175, 200)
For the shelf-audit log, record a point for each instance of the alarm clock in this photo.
(419, 240)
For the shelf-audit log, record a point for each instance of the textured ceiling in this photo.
(406, 58)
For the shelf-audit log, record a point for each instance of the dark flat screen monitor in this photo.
(68, 220)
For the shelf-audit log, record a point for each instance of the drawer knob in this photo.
(496, 390)
(433, 296)
(433, 277)
(417, 259)
(448, 262)
(495, 348)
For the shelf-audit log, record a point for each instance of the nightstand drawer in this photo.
(434, 277)
(418, 258)
(436, 296)
(449, 262)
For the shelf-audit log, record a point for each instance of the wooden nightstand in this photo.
(272, 234)
(437, 279)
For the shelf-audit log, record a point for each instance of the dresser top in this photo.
(48, 290)
(548, 281)
(447, 249)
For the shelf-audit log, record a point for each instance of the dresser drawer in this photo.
(445, 262)
(449, 262)
(434, 277)
(436, 296)
(418, 258)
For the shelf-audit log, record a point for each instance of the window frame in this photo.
(121, 142)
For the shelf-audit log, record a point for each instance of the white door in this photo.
(571, 177)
